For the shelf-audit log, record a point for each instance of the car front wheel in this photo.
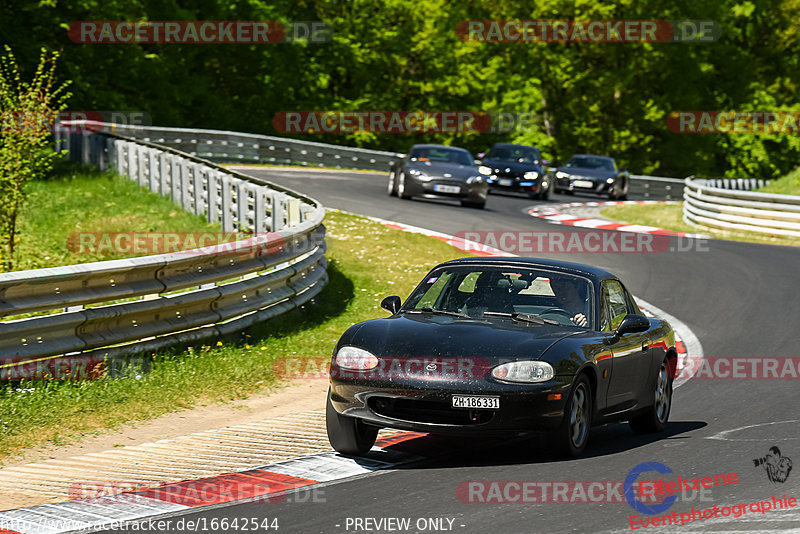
(572, 435)
(401, 187)
(348, 435)
(655, 418)
(391, 188)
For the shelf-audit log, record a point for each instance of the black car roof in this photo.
(438, 146)
(565, 266)
(506, 145)
(591, 156)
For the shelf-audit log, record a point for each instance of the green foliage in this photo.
(28, 112)
(609, 98)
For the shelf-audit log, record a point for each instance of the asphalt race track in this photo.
(740, 299)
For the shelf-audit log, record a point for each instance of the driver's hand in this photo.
(579, 319)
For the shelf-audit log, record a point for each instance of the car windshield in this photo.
(497, 291)
(591, 162)
(514, 154)
(442, 154)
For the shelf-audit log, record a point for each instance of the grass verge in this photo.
(786, 185)
(368, 261)
(670, 216)
(83, 200)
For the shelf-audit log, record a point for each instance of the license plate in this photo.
(583, 183)
(476, 402)
(505, 182)
(446, 188)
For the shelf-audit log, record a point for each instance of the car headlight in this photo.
(355, 358)
(560, 174)
(531, 175)
(524, 371)
(475, 179)
(483, 169)
(609, 180)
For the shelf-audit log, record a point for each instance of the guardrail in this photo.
(233, 147)
(168, 298)
(723, 204)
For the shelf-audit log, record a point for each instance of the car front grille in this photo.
(422, 411)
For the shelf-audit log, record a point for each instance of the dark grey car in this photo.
(592, 174)
(439, 171)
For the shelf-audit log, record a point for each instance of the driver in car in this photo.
(569, 299)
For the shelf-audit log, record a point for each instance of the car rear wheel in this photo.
(573, 434)
(655, 418)
(348, 435)
(392, 186)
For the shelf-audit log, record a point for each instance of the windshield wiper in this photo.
(428, 309)
(523, 317)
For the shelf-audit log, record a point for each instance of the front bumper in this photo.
(421, 406)
(438, 188)
(515, 183)
(569, 184)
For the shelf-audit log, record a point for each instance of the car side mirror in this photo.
(391, 304)
(482, 155)
(632, 324)
(546, 162)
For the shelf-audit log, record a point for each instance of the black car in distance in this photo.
(516, 168)
(589, 173)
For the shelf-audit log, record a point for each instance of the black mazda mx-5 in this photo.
(498, 346)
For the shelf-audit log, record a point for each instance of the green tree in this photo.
(29, 111)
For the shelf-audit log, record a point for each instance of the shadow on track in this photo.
(440, 451)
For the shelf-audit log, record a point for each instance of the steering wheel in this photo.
(557, 311)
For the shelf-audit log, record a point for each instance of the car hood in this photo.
(589, 173)
(436, 336)
(440, 169)
(501, 166)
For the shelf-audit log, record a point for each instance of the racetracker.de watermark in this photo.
(466, 368)
(561, 492)
(69, 121)
(741, 368)
(141, 243)
(403, 122)
(588, 31)
(384, 122)
(575, 242)
(734, 122)
(203, 492)
(198, 32)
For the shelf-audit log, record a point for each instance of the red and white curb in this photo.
(269, 484)
(559, 214)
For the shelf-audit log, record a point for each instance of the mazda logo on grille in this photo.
(431, 367)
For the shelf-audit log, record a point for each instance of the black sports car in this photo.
(441, 171)
(517, 168)
(498, 346)
(592, 174)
